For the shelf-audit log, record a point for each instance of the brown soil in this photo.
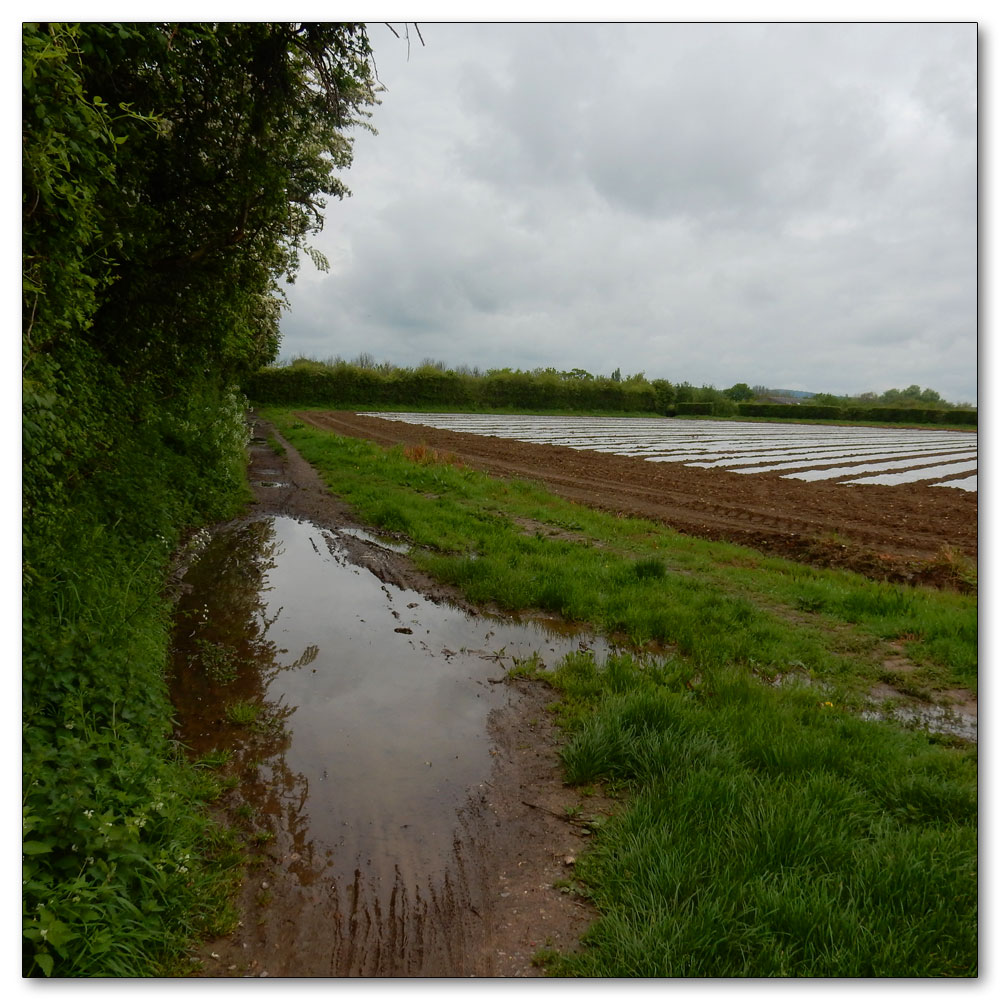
(908, 533)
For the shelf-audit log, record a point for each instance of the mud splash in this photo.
(351, 716)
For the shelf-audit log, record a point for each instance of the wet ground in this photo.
(366, 728)
(400, 791)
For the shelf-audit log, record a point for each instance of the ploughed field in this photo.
(892, 503)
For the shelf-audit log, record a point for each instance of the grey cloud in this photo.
(714, 203)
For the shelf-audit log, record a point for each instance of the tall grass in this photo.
(767, 833)
(123, 868)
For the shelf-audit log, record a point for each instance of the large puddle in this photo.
(354, 714)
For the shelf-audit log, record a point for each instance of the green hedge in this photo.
(346, 385)
(968, 418)
(875, 414)
(783, 411)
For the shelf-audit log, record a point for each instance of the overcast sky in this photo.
(777, 204)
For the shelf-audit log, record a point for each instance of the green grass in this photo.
(767, 827)
(123, 869)
(767, 833)
(243, 713)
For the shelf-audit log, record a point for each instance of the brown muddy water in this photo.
(352, 718)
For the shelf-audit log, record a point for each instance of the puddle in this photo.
(933, 718)
(382, 543)
(946, 720)
(372, 727)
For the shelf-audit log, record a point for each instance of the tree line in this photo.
(364, 382)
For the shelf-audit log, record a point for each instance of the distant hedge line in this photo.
(348, 386)
(879, 414)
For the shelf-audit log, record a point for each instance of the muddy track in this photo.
(496, 903)
(907, 533)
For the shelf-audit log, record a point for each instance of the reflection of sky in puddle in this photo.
(718, 444)
(367, 536)
(386, 693)
(933, 718)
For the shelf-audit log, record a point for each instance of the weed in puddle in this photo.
(243, 713)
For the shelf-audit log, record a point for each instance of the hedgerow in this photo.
(171, 175)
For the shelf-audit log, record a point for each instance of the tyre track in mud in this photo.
(903, 533)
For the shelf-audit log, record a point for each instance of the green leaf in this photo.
(37, 846)
(59, 934)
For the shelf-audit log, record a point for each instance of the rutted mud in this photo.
(906, 533)
(402, 794)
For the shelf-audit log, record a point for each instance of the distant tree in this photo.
(739, 393)
(914, 396)
(665, 395)
(827, 399)
(616, 375)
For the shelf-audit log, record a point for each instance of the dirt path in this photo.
(907, 533)
(498, 901)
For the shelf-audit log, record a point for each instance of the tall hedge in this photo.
(171, 175)
(348, 385)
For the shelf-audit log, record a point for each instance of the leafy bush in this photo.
(145, 301)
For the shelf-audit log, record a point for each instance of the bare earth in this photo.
(515, 844)
(905, 533)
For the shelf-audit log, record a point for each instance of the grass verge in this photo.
(767, 833)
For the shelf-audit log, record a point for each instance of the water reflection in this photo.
(225, 658)
(372, 700)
